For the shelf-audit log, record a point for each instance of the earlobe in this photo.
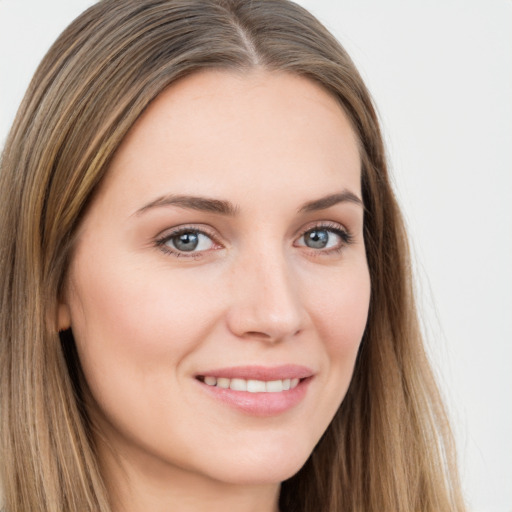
(63, 317)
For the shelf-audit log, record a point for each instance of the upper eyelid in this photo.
(169, 232)
(325, 224)
(338, 229)
(212, 233)
(161, 240)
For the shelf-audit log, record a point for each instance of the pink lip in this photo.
(285, 371)
(260, 404)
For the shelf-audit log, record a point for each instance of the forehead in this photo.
(218, 129)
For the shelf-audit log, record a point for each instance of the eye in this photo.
(186, 240)
(325, 238)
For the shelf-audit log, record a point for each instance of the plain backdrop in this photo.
(441, 75)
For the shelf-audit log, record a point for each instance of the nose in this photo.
(266, 301)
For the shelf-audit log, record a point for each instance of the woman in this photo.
(206, 299)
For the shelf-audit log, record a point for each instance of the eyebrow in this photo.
(326, 202)
(203, 204)
(223, 207)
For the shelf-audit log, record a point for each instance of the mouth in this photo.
(250, 385)
(257, 390)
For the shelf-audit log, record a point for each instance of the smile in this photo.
(258, 390)
(251, 385)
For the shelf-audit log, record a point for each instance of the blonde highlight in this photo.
(388, 449)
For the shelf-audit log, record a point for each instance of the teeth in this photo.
(275, 386)
(238, 385)
(223, 383)
(256, 386)
(252, 385)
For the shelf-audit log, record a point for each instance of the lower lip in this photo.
(260, 404)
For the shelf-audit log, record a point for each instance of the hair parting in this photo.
(389, 447)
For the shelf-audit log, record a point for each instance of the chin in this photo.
(259, 467)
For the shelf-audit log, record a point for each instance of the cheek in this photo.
(340, 316)
(341, 310)
(137, 310)
(134, 332)
(132, 327)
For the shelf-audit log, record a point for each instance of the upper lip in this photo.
(256, 372)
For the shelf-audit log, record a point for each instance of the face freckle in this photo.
(223, 250)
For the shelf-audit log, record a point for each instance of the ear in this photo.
(63, 317)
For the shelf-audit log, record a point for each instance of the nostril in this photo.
(258, 334)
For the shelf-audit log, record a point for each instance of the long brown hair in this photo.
(388, 449)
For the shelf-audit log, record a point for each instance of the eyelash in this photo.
(162, 241)
(345, 236)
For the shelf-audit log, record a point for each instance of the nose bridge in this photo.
(267, 302)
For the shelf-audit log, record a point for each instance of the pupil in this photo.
(186, 241)
(317, 239)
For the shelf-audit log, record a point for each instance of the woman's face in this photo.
(219, 287)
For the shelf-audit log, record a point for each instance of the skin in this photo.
(147, 320)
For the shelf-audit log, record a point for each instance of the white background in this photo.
(441, 75)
